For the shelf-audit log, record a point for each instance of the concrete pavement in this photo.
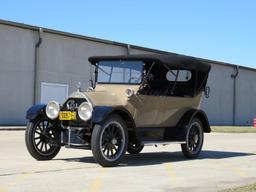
(227, 160)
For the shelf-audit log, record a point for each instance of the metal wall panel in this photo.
(219, 106)
(246, 97)
(16, 73)
(63, 59)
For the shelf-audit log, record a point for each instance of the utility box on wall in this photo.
(53, 91)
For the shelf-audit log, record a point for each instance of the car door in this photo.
(147, 110)
(149, 100)
(174, 108)
(179, 99)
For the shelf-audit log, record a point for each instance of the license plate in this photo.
(67, 115)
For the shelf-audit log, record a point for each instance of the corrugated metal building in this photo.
(40, 64)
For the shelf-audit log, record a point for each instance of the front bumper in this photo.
(75, 137)
(76, 133)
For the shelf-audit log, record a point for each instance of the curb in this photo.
(23, 128)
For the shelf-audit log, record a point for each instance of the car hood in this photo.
(99, 98)
(104, 98)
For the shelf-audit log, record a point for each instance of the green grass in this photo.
(233, 129)
(246, 188)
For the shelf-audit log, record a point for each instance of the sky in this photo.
(222, 30)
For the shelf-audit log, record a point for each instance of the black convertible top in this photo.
(173, 61)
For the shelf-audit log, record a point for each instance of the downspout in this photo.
(128, 49)
(234, 76)
(37, 45)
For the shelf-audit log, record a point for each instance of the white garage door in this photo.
(53, 91)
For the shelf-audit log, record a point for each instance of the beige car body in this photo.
(146, 110)
(150, 100)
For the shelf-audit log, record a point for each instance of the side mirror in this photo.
(207, 91)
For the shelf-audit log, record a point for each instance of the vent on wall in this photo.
(53, 91)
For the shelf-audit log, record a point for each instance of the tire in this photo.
(135, 148)
(37, 139)
(109, 141)
(194, 139)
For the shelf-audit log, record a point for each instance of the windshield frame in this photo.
(119, 83)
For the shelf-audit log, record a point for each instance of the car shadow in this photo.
(154, 158)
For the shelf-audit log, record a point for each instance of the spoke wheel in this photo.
(194, 139)
(109, 141)
(41, 139)
(112, 141)
(135, 148)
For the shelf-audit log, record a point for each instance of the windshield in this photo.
(123, 72)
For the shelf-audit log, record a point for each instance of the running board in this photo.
(150, 143)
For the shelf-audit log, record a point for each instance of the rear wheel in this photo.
(194, 139)
(109, 141)
(135, 148)
(41, 139)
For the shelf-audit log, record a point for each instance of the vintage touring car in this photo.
(134, 101)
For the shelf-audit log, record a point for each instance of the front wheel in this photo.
(41, 139)
(194, 139)
(109, 141)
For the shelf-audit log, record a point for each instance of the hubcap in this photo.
(112, 141)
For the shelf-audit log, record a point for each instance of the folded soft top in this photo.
(172, 61)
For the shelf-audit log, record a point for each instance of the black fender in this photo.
(34, 111)
(178, 133)
(100, 114)
(192, 113)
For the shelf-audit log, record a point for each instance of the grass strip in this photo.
(233, 129)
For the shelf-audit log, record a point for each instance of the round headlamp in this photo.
(85, 111)
(52, 110)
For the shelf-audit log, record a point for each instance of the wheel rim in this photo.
(194, 137)
(43, 137)
(112, 141)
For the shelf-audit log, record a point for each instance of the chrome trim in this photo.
(74, 144)
(79, 95)
(58, 108)
(61, 135)
(69, 135)
(79, 110)
(129, 92)
(150, 143)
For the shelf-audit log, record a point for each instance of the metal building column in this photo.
(36, 81)
(234, 76)
(128, 49)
